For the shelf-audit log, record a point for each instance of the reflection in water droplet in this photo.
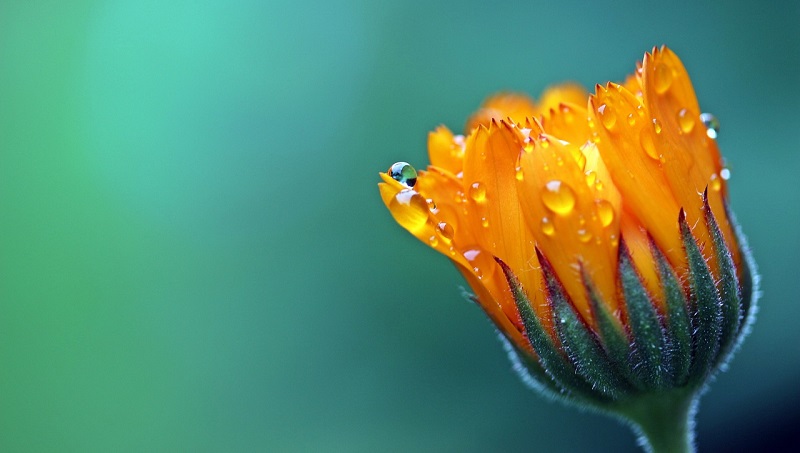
(431, 205)
(558, 197)
(403, 173)
(725, 174)
(711, 124)
(605, 212)
(685, 121)
(663, 78)
(477, 192)
(547, 227)
(410, 210)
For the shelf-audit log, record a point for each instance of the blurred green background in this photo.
(194, 255)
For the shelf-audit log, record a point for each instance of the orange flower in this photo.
(605, 212)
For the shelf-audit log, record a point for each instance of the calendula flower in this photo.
(594, 231)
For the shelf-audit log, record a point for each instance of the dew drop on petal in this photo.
(607, 116)
(547, 227)
(646, 140)
(518, 174)
(432, 205)
(711, 124)
(477, 191)
(631, 119)
(605, 211)
(480, 260)
(433, 241)
(656, 126)
(725, 174)
(715, 184)
(663, 78)
(685, 121)
(558, 197)
(584, 235)
(403, 173)
(446, 231)
(484, 222)
(410, 210)
(591, 177)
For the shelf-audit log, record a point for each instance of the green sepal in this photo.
(612, 335)
(579, 341)
(649, 337)
(728, 284)
(706, 306)
(679, 328)
(529, 370)
(556, 365)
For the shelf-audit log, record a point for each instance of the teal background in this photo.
(194, 255)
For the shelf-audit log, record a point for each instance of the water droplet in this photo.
(446, 231)
(409, 209)
(584, 235)
(614, 240)
(480, 260)
(433, 241)
(477, 191)
(432, 205)
(725, 174)
(605, 211)
(715, 183)
(685, 121)
(528, 145)
(519, 174)
(711, 123)
(484, 222)
(657, 126)
(544, 142)
(631, 119)
(646, 140)
(403, 173)
(598, 185)
(547, 227)
(663, 78)
(591, 177)
(558, 197)
(607, 116)
(640, 110)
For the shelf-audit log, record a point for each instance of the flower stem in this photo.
(664, 422)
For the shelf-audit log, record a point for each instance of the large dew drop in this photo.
(605, 211)
(558, 197)
(607, 116)
(685, 121)
(663, 78)
(711, 123)
(481, 261)
(403, 173)
(410, 210)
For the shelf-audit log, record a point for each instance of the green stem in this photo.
(664, 422)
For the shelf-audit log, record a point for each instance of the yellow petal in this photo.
(446, 150)
(503, 106)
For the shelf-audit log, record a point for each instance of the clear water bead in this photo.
(403, 173)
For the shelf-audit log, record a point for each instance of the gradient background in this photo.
(194, 255)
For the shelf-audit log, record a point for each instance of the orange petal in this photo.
(567, 122)
(638, 244)
(625, 141)
(494, 209)
(562, 214)
(691, 159)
